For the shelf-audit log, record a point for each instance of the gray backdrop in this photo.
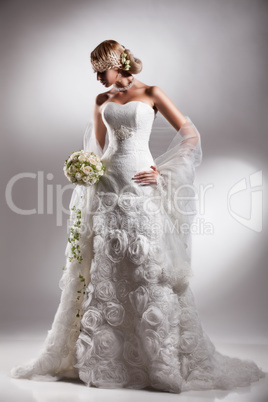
(210, 58)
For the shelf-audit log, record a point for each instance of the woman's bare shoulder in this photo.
(155, 91)
(102, 97)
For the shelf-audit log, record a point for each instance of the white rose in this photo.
(138, 249)
(94, 278)
(168, 355)
(92, 160)
(138, 379)
(139, 299)
(82, 158)
(116, 242)
(85, 375)
(74, 155)
(188, 341)
(114, 313)
(152, 342)
(173, 337)
(105, 290)
(138, 274)
(133, 351)
(152, 273)
(98, 224)
(110, 375)
(96, 303)
(71, 169)
(78, 175)
(162, 331)
(108, 201)
(188, 317)
(87, 169)
(152, 316)
(128, 202)
(108, 342)
(83, 349)
(122, 289)
(88, 296)
(91, 320)
(169, 374)
(157, 293)
(86, 179)
(112, 220)
(105, 268)
(98, 166)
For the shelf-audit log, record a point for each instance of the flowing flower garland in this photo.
(75, 249)
(74, 240)
(83, 168)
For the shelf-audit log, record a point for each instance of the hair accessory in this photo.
(112, 60)
(125, 62)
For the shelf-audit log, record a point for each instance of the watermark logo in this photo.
(42, 207)
(182, 203)
(254, 222)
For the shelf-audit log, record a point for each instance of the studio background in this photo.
(210, 58)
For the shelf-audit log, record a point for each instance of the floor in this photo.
(14, 352)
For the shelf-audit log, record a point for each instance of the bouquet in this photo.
(83, 167)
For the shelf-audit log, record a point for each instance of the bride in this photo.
(127, 316)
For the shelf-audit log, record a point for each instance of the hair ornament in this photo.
(125, 61)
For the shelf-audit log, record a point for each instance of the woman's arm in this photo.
(167, 108)
(99, 127)
(172, 114)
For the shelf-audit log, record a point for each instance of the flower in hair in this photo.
(125, 62)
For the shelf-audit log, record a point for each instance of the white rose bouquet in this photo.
(83, 167)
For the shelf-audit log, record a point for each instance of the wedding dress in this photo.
(127, 316)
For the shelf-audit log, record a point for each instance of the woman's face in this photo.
(108, 77)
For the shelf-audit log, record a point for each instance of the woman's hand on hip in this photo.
(147, 176)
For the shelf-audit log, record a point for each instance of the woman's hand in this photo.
(147, 176)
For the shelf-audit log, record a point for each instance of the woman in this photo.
(127, 317)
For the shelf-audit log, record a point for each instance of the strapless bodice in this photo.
(129, 127)
(125, 120)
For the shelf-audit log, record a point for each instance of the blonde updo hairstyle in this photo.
(108, 55)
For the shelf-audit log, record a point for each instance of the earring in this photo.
(119, 76)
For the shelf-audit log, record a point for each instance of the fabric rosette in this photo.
(84, 168)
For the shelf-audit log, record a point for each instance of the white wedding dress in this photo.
(127, 317)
